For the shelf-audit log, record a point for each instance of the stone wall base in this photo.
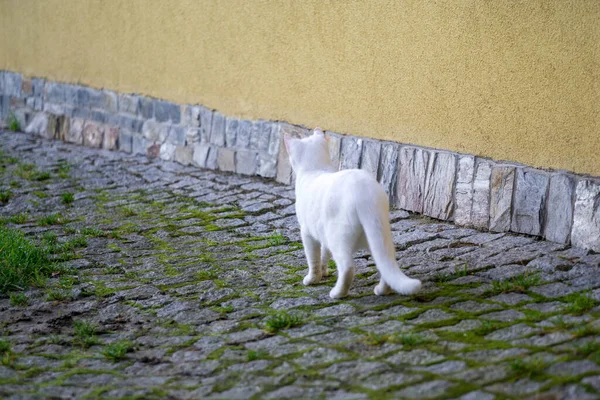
(469, 190)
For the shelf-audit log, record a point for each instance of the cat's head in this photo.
(310, 153)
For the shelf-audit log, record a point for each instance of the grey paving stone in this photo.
(463, 326)
(553, 290)
(415, 357)
(422, 390)
(505, 315)
(495, 355)
(573, 368)
(511, 332)
(390, 379)
(478, 395)
(511, 299)
(433, 315)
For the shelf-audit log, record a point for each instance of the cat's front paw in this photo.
(311, 279)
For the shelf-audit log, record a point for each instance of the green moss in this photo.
(518, 283)
(579, 302)
(282, 320)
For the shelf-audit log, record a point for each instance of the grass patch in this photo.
(276, 239)
(67, 198)
(18, 299)
(51, 219)
(580, 302)
(92, 232)
(5, 195)
(256, 355)
(22, 263)
(528, 368)
(12, 122)
(518, 284)
(206, 275)
(6, 355)
(282, 320)
(85, 333)
(58, 295)
(63, 170)
(117, 351)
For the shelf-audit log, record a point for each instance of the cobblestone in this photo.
(189, 267)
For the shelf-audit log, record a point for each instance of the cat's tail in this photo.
(379, 236)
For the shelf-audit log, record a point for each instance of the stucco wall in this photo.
(515, 81)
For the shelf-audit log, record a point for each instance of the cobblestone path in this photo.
(174, 282)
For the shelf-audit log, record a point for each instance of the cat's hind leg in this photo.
(325, 257)
(312, 249)
(383, 289)
(345, 268)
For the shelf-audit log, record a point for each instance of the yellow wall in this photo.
(512, 80)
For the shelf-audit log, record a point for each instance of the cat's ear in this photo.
(318, 131)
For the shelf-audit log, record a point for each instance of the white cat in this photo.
(340, 213)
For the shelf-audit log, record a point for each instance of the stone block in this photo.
(351, 152)
(190, 116)
(76, 131)
(129, 104)
(206, 116)
(165, 111)
(410, 185)
(559, 208)
(146, 107)
(93, 134)
(246, 162)
(192, 136)
(267, 166)
(26, 87)
(265, 137)
(370, 157)
(200, 155)
(38, 125)
(139, 144)
(217, 130)
(226, 160)
(501, 192)
(183, 155)
(63, 126)
(256, 133)
(109, 101)
(12, 84)
(167, 151)
(102, 117)
(153, 150)
(274, 140)
(95, 99)
(153, 131)
(54, 109)
(586, 215)
(463, 199)
(38, 87)
(125, 141)
(55, 93)
(72, 95)
(177, 135)
(334, 142)
(439, 188)
(131, 123)
(111, 138)
(4, 105)
(51, 128)
(480, 210)
(35, 103)
(211, 160)
(231, 131)
(2, 86)
(284, 168)
(81, 113)
(389, 168)
(244, 133)
(529, 202)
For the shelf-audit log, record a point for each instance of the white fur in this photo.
(340, 213)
